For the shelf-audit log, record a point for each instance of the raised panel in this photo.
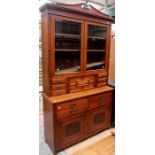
(97, 120)
(71, 130)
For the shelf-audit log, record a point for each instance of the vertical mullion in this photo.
(85, 46)
(52, 45)
(82, 49)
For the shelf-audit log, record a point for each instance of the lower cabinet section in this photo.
(73, 120)
(77, 127)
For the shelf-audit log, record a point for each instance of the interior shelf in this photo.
(76, 68)
(67, 50)
(91, 37)
(95, 50)
(72, 36)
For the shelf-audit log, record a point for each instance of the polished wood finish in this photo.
(73, 96)
(70, 108)
(77, 100)
(97, 120)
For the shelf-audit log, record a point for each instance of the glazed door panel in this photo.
(97, 119)
(71, 130)
(96, 43)
(68, 45)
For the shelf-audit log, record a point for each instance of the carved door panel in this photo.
(97, 120)
(71, 130)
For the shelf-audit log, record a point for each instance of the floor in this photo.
(102, 147)
(78, 148)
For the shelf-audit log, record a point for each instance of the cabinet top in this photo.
(80, 9)
(72, 96)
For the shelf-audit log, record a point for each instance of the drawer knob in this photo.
(73, 111)
(59, 92)
(59, 81)
(59, 86)
(73, 106)
(59, 107)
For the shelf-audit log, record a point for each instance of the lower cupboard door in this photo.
(97, 120)
(71, 131)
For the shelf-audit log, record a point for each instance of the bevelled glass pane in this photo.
(67, 27)
(96, 31)
(67, 46)
(96, 47)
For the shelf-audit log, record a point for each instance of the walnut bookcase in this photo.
(77, 98)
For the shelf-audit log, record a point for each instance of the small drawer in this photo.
(58, 81)
(102, 79)
(75, 90)
(70, 108)
(102, 75)
(90, 86)
(82, 80)
(99, 100)
(101, 84)
(58, 86)
(58, 92)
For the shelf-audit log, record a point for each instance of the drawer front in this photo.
(70, 108)
(58, 92)
(102, 75)
(58, 81)
(99, 100)
(101, 84)
(81, 83)
(102, 79)
(58, 86)
(82, 80)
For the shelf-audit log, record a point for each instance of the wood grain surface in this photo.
(103, 147)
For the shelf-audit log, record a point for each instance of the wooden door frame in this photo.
(107, 47)
(52, 43)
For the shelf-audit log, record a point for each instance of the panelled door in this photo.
(71, 130)
(96, 120)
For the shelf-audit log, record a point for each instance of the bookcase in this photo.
(77, 100)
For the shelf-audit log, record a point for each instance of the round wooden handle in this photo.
(59, 108)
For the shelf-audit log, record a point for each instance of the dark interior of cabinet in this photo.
(96, 47)
(67, 46)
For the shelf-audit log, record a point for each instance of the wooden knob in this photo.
(59, 108)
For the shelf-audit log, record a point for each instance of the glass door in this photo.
(96, 47)
(67, 46)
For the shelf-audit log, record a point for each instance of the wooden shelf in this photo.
(72, 36)
(95, 50)
(91, 37)
(67, 50)
(77, 68)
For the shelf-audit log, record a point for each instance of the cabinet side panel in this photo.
(48, 124)
(107, 49)
(45, 53)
